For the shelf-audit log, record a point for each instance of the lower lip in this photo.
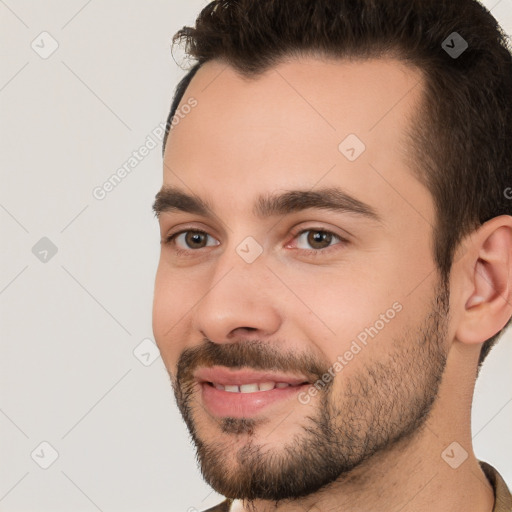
(241, 405)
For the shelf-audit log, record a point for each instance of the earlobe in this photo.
(488, 305)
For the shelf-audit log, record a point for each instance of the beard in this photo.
(386, 402)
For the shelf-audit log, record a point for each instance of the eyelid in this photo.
(182, 228)
(318, 227)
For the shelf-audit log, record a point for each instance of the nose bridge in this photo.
(242, 263)
(239, 295)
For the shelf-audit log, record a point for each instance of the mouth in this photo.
(245, 393)
(253, 387)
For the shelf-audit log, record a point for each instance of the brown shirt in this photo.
(502, 496)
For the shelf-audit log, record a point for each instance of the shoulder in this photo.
(503, 497)
(221, 507)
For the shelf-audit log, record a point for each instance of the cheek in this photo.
(341, 301)
(351, 313)
(172, 302)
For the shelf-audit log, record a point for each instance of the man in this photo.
(336, 256)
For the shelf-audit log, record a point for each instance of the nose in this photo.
(240, 300)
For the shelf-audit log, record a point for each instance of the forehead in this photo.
(300, 124)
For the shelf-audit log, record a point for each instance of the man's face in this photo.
(344, 304)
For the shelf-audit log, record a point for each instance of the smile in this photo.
(251, 388)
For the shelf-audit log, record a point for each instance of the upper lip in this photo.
(226, 377)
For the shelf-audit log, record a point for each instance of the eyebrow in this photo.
(170, 199)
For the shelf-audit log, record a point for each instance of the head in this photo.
(350, 123)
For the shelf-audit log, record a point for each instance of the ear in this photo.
(486, 281)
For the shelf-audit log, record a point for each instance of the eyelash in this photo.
(169, 240)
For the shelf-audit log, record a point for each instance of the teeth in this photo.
(253, 387)
(267, 386)
(249, 388)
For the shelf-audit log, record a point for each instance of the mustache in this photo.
(253, 354)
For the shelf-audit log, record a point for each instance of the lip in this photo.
(227, 377)
(225, 404)
(221, 403)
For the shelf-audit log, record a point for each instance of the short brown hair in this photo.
(462, 137)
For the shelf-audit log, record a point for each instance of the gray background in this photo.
(76, 338)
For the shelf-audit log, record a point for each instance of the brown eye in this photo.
(316, 239)
(195, 239)
(319, 239)
(317, 242)
(190, 239)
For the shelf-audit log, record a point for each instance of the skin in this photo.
(280, 132)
